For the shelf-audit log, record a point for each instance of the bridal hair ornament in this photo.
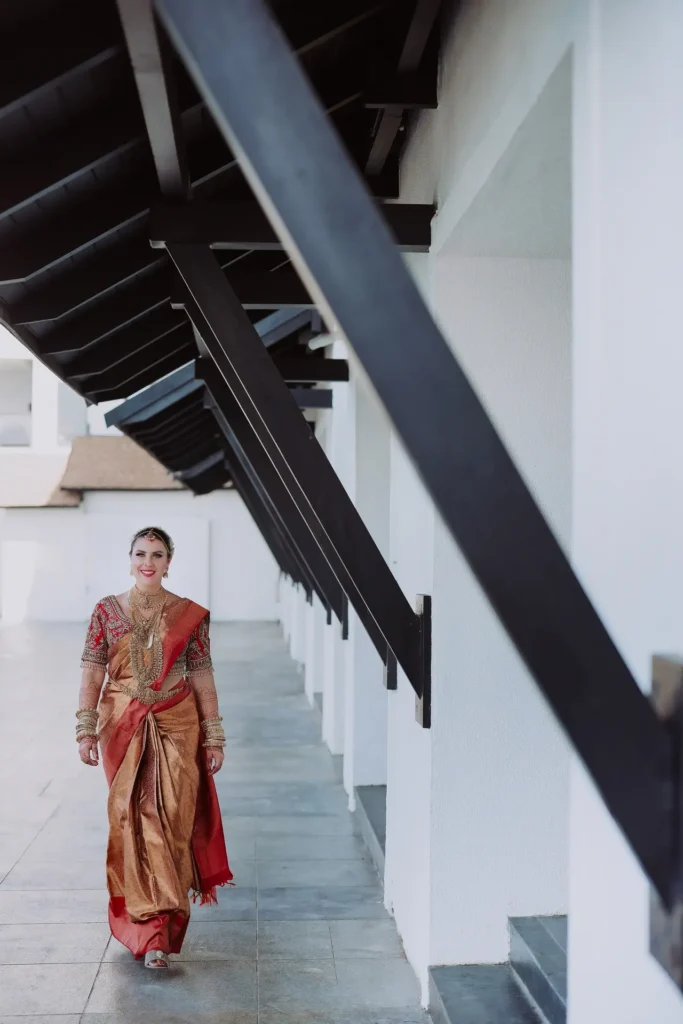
(155, 533)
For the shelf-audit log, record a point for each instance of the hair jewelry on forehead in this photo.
(154, 533)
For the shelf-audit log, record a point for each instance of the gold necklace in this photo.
(138, 599)
(146, 650)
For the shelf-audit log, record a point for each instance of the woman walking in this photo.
(161, 738)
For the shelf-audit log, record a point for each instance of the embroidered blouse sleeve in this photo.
(94, 660)
(200, 670)
(96, 649)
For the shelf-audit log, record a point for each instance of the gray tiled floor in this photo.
(302, 939)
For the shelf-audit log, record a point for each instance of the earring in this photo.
(166, 575)
(130, 571)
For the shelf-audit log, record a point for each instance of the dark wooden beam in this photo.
(312, 398)
(105, 270)
(300, 461)
(276, 289)
(151, 57)
(311, 369)
(241, 63)
(244, 441)
(391, 117)
(225, 224)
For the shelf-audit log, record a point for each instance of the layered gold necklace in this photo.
(146, 650)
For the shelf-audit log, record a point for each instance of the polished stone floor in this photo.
(303, 939)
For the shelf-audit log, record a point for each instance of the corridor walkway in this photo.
(303, 939)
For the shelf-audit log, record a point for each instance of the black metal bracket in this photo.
(423, 701)
(666, 921)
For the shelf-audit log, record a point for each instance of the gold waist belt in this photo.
(145, 694)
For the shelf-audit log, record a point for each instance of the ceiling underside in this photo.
(80, 283)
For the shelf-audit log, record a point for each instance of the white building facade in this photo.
(555, 159)
(61, 551)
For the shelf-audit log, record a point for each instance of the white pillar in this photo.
(316, 617)
(628, 476)
(297, 639)
(365, 729)
(44, 409)
(338, 443)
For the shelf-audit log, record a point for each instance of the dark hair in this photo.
(154, 533)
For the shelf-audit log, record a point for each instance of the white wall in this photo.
(628, 475)
(49, 557)
(15, 401)
(499, 762)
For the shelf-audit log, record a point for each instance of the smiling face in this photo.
(149, 561)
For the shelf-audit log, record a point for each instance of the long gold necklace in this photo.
(146, 650)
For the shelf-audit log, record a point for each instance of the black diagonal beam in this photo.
(267, 525)
(245, 443)
(151, 57)
(232, 224)
(262, 521)
(267, 110)
(300, 461)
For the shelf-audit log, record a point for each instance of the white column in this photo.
(44, 409)
(338, 439)
(297, 638)
(315, 627)
(365, 729)
(628, 476)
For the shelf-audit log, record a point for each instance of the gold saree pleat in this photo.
(152, 803)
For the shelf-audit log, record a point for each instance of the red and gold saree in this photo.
(165, 831)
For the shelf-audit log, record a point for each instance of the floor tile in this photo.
(274, 874)
(310, 847)
(41, 1019)
(294, 940)
(220, 940)
(62, 907)
(186, 988)
(52, 943)
(303, 903)
(57, 874)
(365, 939)
(297, 984)
(45, 988)
(234, 904)
(388, 982)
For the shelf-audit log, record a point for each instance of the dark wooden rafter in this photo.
(179, 340)
(226, 224)
(117, 265)
(71, 43)
(159, 291)
(146, 377)
(407, 84)
(309, 369)
(118, 347)
(158, 400)
(318, 493)
(242, 65)
(151, 57)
